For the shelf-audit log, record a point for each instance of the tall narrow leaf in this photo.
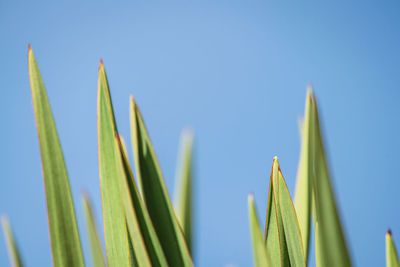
(260, 253)
(283, 237)
(332, 244)
(392, 258)
(12, 248)
(115, 232)
(155, 194)
(303, 194)
(96, 249)
(137, 206)
(136, 240)
(274, 235)
(183, 197)
(64, 235)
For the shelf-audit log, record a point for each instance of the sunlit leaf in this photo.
(392, 258)
(136, 203)
(136, 240)
(155, 194)
(12, 249)
(64, 235)
(183, 197)
(283, 237)
(115, 232)
(303, 194)
(96, 249)
(332, 244)
(260, 254)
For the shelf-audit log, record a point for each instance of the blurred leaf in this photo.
(318, 261)
(155, 194)
(136, 239)
(64, 234)
(260, 253)
(148, 233)
(332, 244)
(115, 232)
(12, 248)
(183, 197)
(392, 258)
(96, 249)
(303, 194)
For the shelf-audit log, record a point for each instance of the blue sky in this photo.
(234, 71)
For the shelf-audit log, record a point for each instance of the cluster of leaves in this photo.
(287, 230)
(141, 227)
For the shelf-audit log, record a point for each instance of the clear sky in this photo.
(234, 71)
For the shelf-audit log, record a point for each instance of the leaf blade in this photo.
(155, 193)
(148, 233)
(291, 225)
(303, 195)
(260, 253)
(136, 239)
(283, 237)
(115, 231)
(333, 247)
(183, 197)
(392, 258)
(96, 249)
(12, 248)
(64, 234)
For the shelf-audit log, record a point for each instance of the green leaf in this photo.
(303, 194)
(392, 258)
(274, 235)
(155, 194)
(283, 237)
(96, 249)
(137, 206)
(318, 260)
(115, 232)
(64, 234)
(12, 248)
(183, 197)
(332, 244)
(136, 239)
(260, 254)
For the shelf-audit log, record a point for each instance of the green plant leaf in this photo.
(12, 248)
(274, 235)
(183, 197)
(136, 204)
(332, 244)
(136, 239)
(318, 260)
(282, 228)
(155, 194)
(260, 253)
(392, 258)
(303, 195)
(96, 249)
(115, 232)
(64, 234)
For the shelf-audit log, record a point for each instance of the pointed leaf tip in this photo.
(64, 232)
